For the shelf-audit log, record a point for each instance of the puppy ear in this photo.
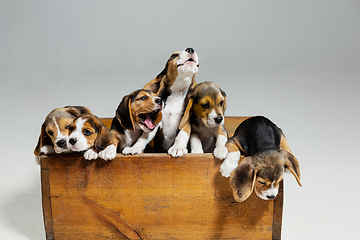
(186, 117)
(44, 139)
(242, 180)
(78, 110)
(123, 113)
(292, 164)
(224, 95)
(104, 138)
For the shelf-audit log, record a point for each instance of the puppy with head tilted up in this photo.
(136, 121)
(172, 85)
(265, 156)
(89, 134)
(203, 122)
(54, 133)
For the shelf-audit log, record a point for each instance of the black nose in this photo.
(61, 143)
(218, 120)
(158, 101)
(270, 197)
(72, 141)
(190, 50)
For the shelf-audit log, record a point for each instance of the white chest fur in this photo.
(174, 109)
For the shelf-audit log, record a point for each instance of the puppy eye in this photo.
(87, 132)
(263, 183)
(51, 133)
(221, 103)
(173, 56)
(71, 129)
(206, 105)
(143, 98)
(67, 127)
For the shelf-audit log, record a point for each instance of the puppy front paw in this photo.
(220, 152)
(109, 153)
(226, 168)
(131, 151)
(90, 154)
(47, 149)
(176, 151)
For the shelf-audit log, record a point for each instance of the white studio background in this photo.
(297, 63)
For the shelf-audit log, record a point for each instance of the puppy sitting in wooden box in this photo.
(265, 156)
(203, 122)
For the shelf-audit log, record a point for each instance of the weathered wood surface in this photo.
(150, 196)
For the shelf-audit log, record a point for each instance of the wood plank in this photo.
(150, 196)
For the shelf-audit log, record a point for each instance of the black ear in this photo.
(44, 139)
(104, 138)
(123, 112)
(242, 180)
(224, 95)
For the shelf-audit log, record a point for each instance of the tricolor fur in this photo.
(136, 121)
(203, 122)
(265, 156)
(172, 85)
(55, 130)
(89, 134)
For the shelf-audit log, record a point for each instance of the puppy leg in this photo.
(109, 153)
(232, 159)
(181, 141)
(90, 154)
(141, 143)
(220, 150)
(47, 149)
(195, 144)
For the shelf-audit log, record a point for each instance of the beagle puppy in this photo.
(172, 85)
(89, 134)
(203, 122)
(265, 156)
(54, 133)
(136, 121)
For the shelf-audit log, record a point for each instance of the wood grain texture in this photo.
(150, 196)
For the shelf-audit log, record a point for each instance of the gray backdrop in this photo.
(298, 63)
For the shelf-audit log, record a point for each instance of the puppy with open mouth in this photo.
(172, 85)
(137, 119)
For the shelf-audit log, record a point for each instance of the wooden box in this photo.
(151, 196)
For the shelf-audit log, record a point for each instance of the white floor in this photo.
(296, 63)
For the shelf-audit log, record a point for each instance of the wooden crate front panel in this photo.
(150, 196)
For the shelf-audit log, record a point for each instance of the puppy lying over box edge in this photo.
(265, 155)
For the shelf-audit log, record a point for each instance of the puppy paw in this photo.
(90, 154)
(131, 151)
(47, 149)
(175, 151)
(109, 153)
(226, 169)
(220, 152)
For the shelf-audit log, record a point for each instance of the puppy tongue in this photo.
(148, 122)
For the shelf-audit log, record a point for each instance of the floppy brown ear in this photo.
(224, 95)
(104, 138)
(292, 164)
(242, 180)
(186, 118)
(44, 139)
(78, 110)
(123, 113)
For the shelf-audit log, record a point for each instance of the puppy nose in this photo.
(190, 50)
(158, 101)
(270, 197)
(61, 143)
(72, 141)
(218, 120)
